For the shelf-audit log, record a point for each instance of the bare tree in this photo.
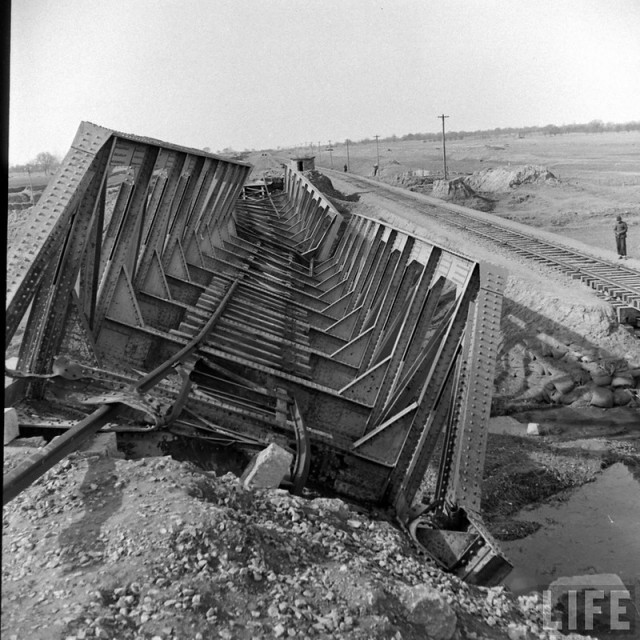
(47, 161)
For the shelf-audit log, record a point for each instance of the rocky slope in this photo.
(102, 547)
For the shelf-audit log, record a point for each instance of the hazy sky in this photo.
(262, 73)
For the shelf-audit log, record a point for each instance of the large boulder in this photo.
(11, 427)
(427, 608)
(268, 468)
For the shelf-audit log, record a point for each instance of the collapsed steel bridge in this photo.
(150, 289)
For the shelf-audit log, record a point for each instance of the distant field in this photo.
(599, 176)
(608, 157)
(37, 180)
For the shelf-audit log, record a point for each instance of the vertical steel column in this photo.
(48, 225)
(427, 423)
(481, 359)
(45, 330)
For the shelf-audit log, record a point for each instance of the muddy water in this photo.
(596, 529)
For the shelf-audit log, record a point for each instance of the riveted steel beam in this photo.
(351, 341)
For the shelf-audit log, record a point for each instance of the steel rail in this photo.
(570, 261)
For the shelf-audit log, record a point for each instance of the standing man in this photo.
(621, 237)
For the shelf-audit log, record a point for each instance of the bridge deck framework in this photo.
(150, 284)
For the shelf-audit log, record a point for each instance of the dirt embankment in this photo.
(503, 179)
(483, 189)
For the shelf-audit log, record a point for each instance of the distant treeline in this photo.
(595, 126)
(44, 162)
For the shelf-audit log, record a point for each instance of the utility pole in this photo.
(319, 151)
(330, 150)
(348, 162)
(377, 151)
(30, 185)
(444, 148)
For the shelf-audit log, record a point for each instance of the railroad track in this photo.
(617, 283)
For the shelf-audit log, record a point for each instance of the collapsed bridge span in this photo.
(150, 286)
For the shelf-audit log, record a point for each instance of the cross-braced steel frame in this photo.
(363, 348)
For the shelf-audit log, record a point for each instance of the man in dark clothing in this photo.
(621, 237)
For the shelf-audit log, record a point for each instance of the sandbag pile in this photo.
(579, 377)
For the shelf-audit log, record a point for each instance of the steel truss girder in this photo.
(375, 340)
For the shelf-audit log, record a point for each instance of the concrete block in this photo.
(268, 468)
(11, 427)
(538, 429)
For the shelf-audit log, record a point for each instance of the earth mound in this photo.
(458, 191)
(504, 179)
(392, 171)
(324, 184)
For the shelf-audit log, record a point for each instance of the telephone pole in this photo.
(444, 148)
(330, 150)
(377, 151)
(348, 163)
